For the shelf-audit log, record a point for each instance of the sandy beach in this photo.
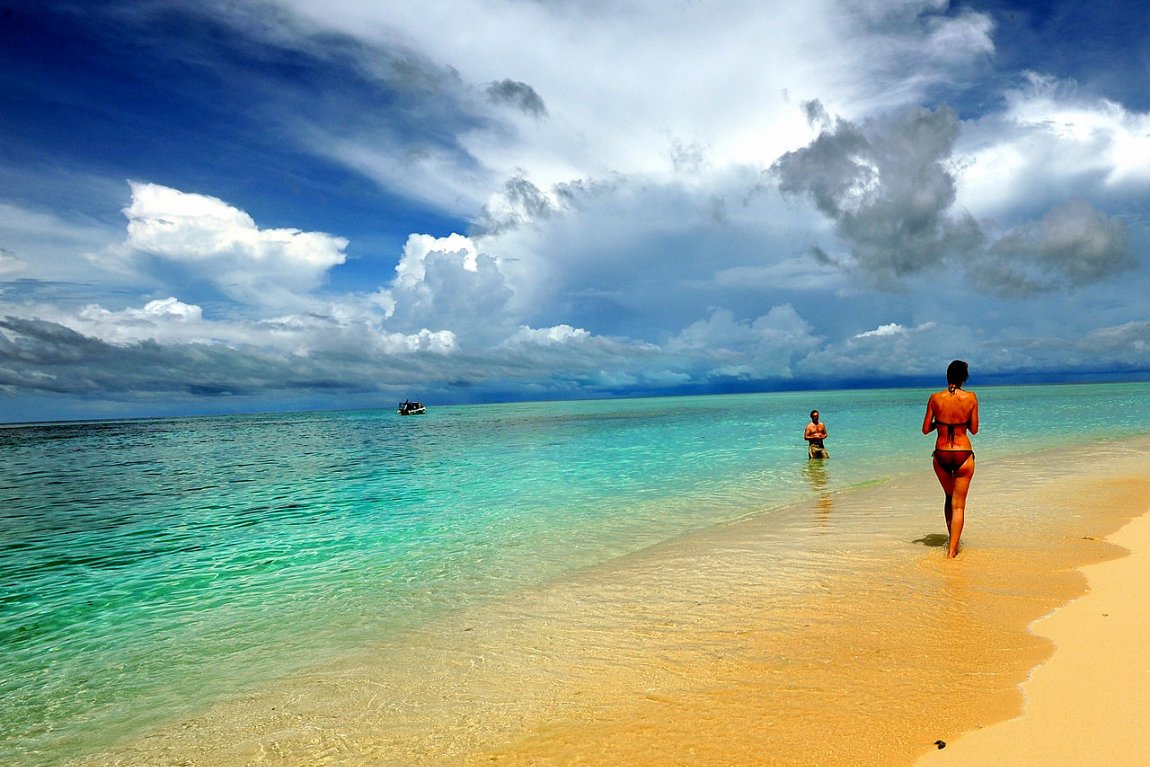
(1090, 703)
(866, 652)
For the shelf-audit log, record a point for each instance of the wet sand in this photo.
(1090, 703)
(833, 633)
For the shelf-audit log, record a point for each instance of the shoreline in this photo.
(721, 647)
(1087, 704)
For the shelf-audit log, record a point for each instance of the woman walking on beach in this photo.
(953, 413)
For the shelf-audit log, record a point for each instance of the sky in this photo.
(223, 207)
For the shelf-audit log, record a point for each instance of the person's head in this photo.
(815, 416)
(957, 373)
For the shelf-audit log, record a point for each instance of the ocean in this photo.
(153, 568)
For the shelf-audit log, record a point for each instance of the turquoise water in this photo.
(151, 567)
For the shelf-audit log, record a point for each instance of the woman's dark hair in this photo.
(957, 372)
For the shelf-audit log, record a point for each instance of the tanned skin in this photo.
(958, 407)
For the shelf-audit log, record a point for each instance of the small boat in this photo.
(407, 407)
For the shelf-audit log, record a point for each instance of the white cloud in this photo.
(347, 329)
(167, 320)
(412, 267)
(553, 336)
(161, 310)
(959, 38)
(1128, 343)
(892, 350)
(893, 329)
(617, 91)
(342, 328)
(222, 244)
(1049, 143)
(761, 348)
(446, 282)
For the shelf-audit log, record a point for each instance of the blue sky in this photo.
(243, 206)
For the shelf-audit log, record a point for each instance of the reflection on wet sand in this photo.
(816, 474)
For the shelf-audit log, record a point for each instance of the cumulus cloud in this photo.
(886, 186)
(1073, 245)
(553, 336)
(223, 245)
(892, 349)
(893, 329)
(1119, 348)
(1098, 133)
(1127, 345)
(445, 295)
(295, 356)
(889, 187)
(355, 326)
(167, 319)
(764, 347)
(1052, 141)
(446, 282)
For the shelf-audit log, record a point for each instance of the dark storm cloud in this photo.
(886, 187)
(519, 95)
(1073, 245)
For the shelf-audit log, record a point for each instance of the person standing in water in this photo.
(814, 434)
(953, 414)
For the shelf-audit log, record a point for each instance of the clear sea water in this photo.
(151, 567)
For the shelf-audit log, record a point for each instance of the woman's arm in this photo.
(928, 419)
(973, 428)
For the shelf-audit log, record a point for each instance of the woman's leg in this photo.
(958, 505)
(947, 481)
(955, 486)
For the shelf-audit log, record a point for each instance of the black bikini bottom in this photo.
(952, 460)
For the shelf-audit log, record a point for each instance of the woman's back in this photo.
(954, 414)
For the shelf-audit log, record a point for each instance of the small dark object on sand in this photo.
(941, 744)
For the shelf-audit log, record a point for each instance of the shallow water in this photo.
(153, 568)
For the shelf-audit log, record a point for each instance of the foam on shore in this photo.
(832, 633)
